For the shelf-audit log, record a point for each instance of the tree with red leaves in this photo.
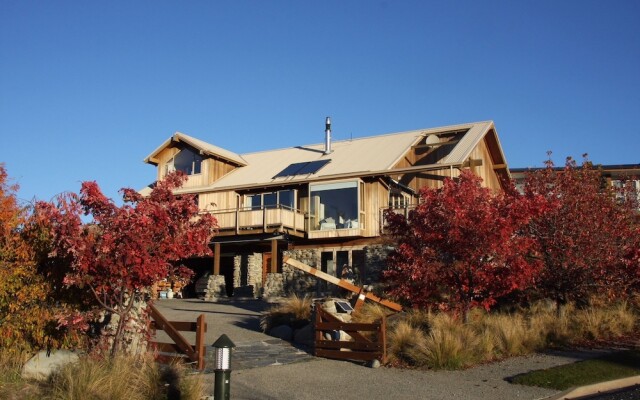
(124, 250)
(588, 238)
(463, 246)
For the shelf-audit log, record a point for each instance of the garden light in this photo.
(222, 368)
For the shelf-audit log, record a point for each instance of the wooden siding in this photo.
(213, 201)
(422, 155)
(211, 169)
(216, 169)
(376, 198)
(485, 171)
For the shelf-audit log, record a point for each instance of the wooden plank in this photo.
(347, 326)
(347, 355)
(181, 326)
(201, 328)
(274, 256)
(216, 258)
(382, 339)
(330, 318)
(340, 282)
(334, 344)
(166, 347)
(181, 342)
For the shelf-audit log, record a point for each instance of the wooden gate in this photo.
(180, 349)
(369, 340)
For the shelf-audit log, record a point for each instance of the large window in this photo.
(187, 161)
(334, 206)
(282, 198)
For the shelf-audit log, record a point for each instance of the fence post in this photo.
(201, 328)
(383, 338)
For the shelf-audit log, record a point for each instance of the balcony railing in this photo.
(260, 220)
(397, 210)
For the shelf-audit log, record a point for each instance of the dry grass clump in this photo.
(12, 386)
(124, 377)
(450, 347)
(120, 378)
(405, 344)
(293, 310)
(425, 339)
(598, 323)
(509, 333)
(369, 312)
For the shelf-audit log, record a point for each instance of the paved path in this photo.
(240, 321)
(266, 368)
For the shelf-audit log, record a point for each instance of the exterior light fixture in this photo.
(222, 368)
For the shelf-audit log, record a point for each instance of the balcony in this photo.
(396, 210)
(269, 219)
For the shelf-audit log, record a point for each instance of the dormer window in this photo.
(187, 161)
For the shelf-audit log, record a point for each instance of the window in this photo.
(281, 198)
(187, 161)
(334, 206)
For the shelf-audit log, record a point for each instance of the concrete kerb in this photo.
(598, 388)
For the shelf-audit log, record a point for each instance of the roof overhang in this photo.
(203, 147)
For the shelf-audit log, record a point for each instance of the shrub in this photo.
(293, 311)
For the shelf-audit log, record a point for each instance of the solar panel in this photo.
(343, 307)
(291, 169)
(312, 167)
(303, 168)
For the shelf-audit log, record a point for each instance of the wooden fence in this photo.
(180, 348)
(369, 340)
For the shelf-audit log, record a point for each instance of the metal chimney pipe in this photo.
(327, 136)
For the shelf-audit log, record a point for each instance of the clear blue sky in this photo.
(89, 88)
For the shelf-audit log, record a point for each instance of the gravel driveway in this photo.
(316, 378)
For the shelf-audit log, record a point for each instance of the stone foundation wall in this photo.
(292, 280)
(215, 288)
(376, 262)
(247, 275)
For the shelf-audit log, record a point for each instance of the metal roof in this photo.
(367, 156)
(202, 146)
(362, 156)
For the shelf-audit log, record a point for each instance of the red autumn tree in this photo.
(588, 236)
(124, 250)
(463, 246)
(31, 297)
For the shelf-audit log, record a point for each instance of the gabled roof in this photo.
(367, 156)
(204, 148)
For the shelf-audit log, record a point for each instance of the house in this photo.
(321, 204)
(613, 175)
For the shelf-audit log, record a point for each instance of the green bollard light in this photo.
(222, 371)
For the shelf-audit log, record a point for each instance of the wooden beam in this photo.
(472, 163)
(500, 166)
(274, 256)
(342, 283)
(216, 258)
(180, 341)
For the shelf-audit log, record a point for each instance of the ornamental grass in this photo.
(424, 339)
